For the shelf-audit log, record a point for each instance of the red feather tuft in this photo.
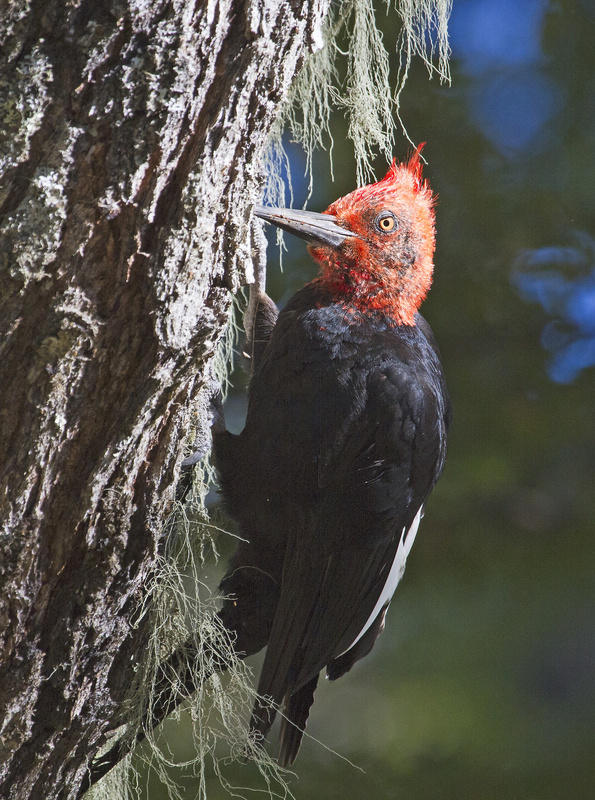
(415, 166)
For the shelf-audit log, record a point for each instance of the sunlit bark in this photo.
(130, 137)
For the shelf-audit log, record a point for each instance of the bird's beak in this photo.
(314, 228)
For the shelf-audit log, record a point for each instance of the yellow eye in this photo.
(386, 222)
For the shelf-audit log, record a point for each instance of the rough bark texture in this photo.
(130, 137)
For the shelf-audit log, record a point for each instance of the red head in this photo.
(388, 264)
(375, 245)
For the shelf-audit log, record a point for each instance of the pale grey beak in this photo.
(314, 228)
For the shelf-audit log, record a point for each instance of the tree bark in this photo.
(131, 134)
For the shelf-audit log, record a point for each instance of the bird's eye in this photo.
(386, 222)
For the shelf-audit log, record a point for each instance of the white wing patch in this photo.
(394, 576)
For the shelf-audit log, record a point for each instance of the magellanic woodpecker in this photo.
(345, 437)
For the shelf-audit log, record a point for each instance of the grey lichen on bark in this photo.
(131, 136)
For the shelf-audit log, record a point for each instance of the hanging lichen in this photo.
(357, 82)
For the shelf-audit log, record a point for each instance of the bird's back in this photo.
(344, 439)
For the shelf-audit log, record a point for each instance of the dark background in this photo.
(482, 685)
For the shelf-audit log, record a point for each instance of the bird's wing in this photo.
(374, 474)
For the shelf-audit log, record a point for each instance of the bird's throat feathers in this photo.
(388, 267)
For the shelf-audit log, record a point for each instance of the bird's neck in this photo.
(368, 289)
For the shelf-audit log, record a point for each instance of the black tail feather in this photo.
(297, 709)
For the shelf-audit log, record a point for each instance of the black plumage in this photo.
(343, 442)
(344, 439)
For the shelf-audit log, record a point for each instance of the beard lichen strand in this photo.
(318, 91)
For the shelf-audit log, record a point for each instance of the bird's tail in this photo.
(293, 724)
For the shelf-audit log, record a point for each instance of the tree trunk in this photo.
(131, 136)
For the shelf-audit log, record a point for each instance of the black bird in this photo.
(344, 439)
